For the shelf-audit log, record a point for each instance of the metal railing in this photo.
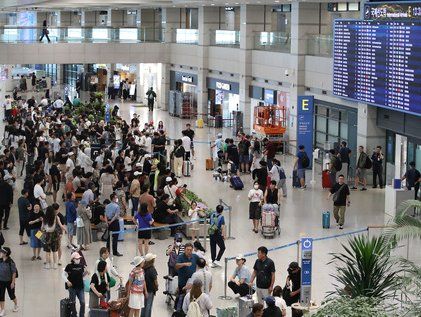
(272, 41)
(225, 38)
(320, 45)
(77, 34)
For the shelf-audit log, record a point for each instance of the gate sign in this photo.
(306, 259)
(305, 124)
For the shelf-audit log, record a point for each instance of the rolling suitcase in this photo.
(326, 220)
(295, 180)
(245, 305)
(268, 223)
(209, 164)
(227, 312)
(326, 179)
(67, 308)
(186, 168)
(236, 182)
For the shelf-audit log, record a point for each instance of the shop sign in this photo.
(223, 86)
(186, 79)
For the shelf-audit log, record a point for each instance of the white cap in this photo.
(137, 173)
(168, 179)
(70, 154)
(240, 257)
(138, 165)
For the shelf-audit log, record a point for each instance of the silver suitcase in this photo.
(245, 305)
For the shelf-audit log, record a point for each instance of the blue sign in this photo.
(107, 113)
(306, 259)
(305, 126)
(270, 96)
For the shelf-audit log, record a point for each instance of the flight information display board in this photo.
(378, 62)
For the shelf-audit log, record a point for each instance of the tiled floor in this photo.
(40, 290)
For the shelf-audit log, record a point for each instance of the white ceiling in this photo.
(11, 5)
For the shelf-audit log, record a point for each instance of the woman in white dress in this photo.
(106, 183)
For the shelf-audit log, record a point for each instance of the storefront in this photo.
(223, 100)
(403, 141)
(183, 95)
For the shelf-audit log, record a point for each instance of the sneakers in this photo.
(353, 187)
(341, 227)
(16, 308)
(47, 266)
(363, 189)
(216, 264)
(2, 313)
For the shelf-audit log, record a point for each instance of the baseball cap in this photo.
(137, 173)
(75, 255)
(168, 179)
(270, 300)
(293, 266)
(240, 257)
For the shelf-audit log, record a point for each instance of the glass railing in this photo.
(225, 38)
(272, 41)
(320, 45)
(74, 34)
(186, 36)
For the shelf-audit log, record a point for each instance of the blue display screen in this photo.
(378, 62)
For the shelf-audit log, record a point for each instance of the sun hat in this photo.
(137, 260)
(150, 257)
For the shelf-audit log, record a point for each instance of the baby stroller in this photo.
(171, 285)
(270, 220)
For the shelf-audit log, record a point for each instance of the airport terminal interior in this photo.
(210, 158)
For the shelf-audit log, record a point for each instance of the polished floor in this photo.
(39, 290)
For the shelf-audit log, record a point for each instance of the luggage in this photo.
(199, 123)
(171, 285)
(295, 180)
(227, 312)
(67, 308)
(271, 208)
(326, 179)
(186, 168)
(99, 312)
(245, 305)
(236, 182)
(268, 224)
(326, 220)
(209, 164)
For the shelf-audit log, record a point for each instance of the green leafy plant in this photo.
(365, 268)
(345, 306)
(405, 225)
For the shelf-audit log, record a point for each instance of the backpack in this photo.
(213, 228)
(368, 164)
(337, 164)
(194, 308)
(305, 161)
(256, 147)
(281, 173)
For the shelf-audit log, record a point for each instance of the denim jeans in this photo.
(147, 310)
(80, 294)
(135, 203)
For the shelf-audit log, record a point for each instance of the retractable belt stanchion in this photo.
(229, 208)
(225, 296)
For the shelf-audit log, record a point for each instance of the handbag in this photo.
(79, 222)
(105, 236)
(112, 281)
(40, 235)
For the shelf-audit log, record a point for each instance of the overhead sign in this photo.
(390, 11)
(270, 96)
(223, 86)
(305, 109)
(306, 268)
(187, 79)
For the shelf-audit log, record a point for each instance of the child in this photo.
(194, 216)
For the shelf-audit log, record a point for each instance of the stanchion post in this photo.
(205, 233)
(230, 237)
(225, 282)
(298, 251)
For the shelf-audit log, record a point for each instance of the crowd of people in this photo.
(98, 174)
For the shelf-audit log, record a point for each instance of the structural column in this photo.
(251, 21)
(304, 21)
(170, 22)
(208, 22)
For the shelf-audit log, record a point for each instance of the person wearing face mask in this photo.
(173, 251)
(255, 196)
(73, 276)
(112, 213)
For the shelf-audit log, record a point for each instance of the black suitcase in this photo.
(99, 312)
(295, 180)
(67, 308)
(236, 182)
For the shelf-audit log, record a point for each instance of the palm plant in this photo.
(405, 226)
(365, 268)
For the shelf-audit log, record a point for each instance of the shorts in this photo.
(255, 212)
(301, 173)
(245, 159)
(144, 234)
(136, 301)
(71, 229)
(35, 242)
(56, 186)
(10, 291)
(361, 172)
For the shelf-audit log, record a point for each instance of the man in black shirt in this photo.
(190, 133)
(264, 272)
(164, 213)
(232, 154)
(243, 149)
(24, 207)
(413, 178)
(340, 192)
(377, 159)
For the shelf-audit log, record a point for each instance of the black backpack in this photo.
(368, 164)
(305, 161)
(337, 164)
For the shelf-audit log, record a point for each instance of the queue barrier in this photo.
(229, 209)
(285, 246)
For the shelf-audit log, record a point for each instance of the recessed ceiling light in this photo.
(212, 4)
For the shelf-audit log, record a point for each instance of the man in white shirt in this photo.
(58, 104)
(70, 165)
(148, 143)
(186, 145)
(203, 275)
(56, 144)
(44, 102)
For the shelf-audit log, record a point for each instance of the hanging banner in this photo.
(305, 126)
(306, 259)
